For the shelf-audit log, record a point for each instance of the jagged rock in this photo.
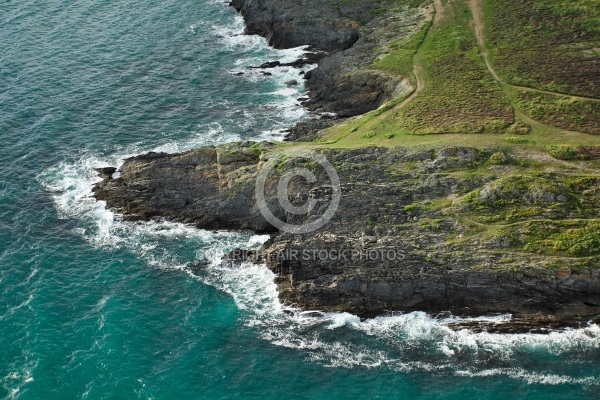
(308, 130)
(107, 172)
(375, 254)
(343, 83)
(190, 187)
(270, 64)
(289, 23)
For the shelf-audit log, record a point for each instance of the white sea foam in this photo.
(16, 379)
(393, 342)
(406, 342)
(253, 51)
(532, 377)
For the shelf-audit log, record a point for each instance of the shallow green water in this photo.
(91, 307)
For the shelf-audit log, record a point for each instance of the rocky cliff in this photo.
(407, 234)
(432, 228)
(350, 32)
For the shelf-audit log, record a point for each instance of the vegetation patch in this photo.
(520, 197)
(546, 44)
(399, 59)
(516, 139)
(563, 111)
(519, 128)
(572, 238)
(563, 152)
(460, 95)
(499, 158)
(369, 134)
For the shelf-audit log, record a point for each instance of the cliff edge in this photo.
(435, 229)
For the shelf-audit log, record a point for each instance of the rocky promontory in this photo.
(474, 231)
(495, 225)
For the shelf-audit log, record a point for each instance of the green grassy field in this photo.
(546, 44)
(462, 102)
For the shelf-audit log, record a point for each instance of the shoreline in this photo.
(384, 205)
(213, 188)
(343, 41)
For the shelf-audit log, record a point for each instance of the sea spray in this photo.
(413, 342)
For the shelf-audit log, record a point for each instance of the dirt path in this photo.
(544, 157)
(478, 28)
(475, 6)
(530, 89)
(418, 70)
(439, 12)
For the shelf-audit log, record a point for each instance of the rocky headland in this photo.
(475, 230)
(349, 32)
(410, 233)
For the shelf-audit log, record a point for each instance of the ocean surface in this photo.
(95, 308)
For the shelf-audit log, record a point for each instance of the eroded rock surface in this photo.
(343, 83)
(400, 240)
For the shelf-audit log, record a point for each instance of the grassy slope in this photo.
(546, 44)
(462, 100)
(551, 46)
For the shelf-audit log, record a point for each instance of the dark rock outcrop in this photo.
(345, 84)
(292, 23)
(342, 83)
(106, 172)
(309, 130)
(380, 251)
(311, 57)
(193, 187)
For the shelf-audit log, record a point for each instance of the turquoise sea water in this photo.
(95, 308)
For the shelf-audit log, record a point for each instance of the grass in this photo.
(399, 56)
(561, 111)
(535, 211)
(546, 44)
(459, 94)
(350, 135)
(463, 101)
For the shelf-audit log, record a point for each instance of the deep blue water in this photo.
(95, 308)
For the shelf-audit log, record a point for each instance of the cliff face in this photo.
(350, 32)
(474, 231)
(401, 238)
(192, 187)
(292, 23)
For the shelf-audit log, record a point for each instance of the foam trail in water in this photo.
(398, 342)
(253, 51)
(407, 342)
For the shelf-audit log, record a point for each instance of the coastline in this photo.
(119, 300)
(383, 206)
(213, 188)
(343, 40)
